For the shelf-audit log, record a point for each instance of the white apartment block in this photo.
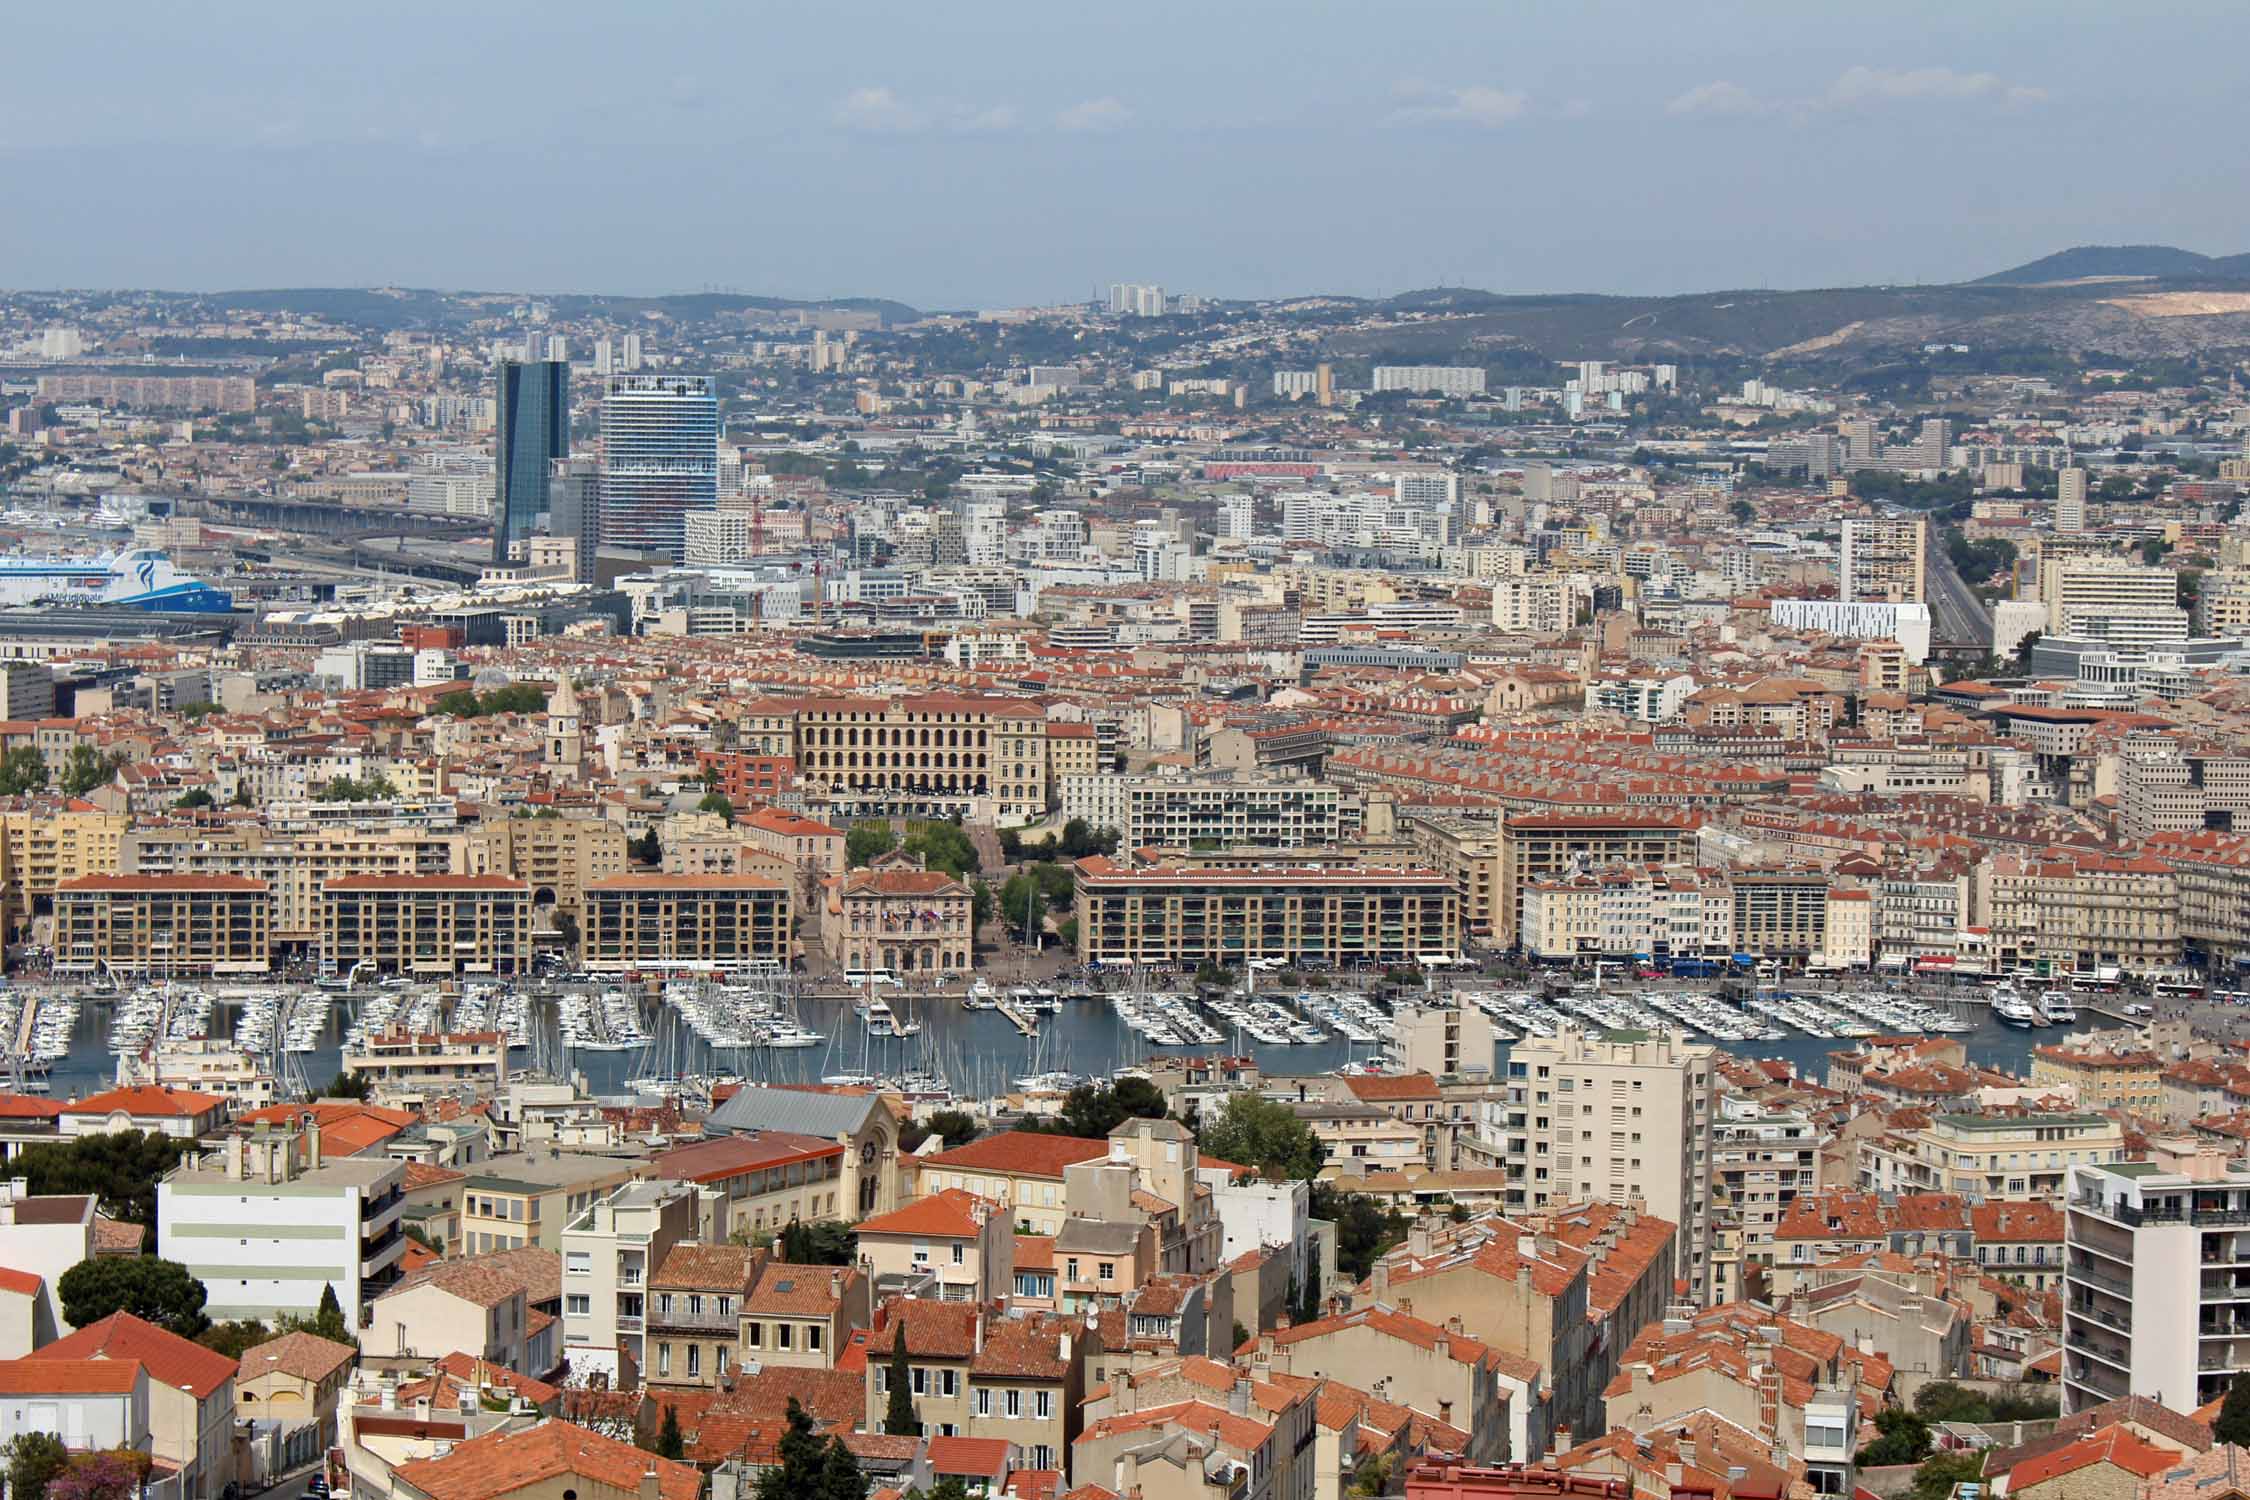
(1613, 1115)
(608, 1253)
(267, 1224)
(1431, 380)
(2156, 1268)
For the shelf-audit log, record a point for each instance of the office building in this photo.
(2108, 597)
(660, 460)
(27, 691)
(1613, 1115)
(532, 431)
(1883, 560)
(2070, 501)
(2153, 1274)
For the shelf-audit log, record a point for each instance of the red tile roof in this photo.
(503, 1463)
(171, 1360)
(41, 1375)
(145, 1100)
(1019, 1153)
(2117, 1446)
(950, 1213)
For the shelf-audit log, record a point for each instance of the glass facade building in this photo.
(660, 460)
(532, 418)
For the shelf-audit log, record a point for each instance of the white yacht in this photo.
(2010, 1008)
(2056, 1009)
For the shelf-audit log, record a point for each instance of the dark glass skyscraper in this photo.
(533, 421)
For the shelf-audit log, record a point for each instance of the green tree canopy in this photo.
(34, 1458)
(156, 1291)
(942, 846)
(1092, 1111)
(1905, 1439)
(898, 1413)
(22, 770)
(1269, 1136)
(357, 789)
(863, 841)
(822, 1242)
(2233, 1422)
(1940, 1472)
(952, 1127)
(234, 1339)
(669, 1443)
(85, 768)
(717, 802)
(119, 1169)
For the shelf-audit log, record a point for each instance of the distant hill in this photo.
(2081, 261)
(396, 307)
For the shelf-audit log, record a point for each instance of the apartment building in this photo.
(430, 926)
(1612, 1115)
(655, 922)
(765, 1181)
(2083, 594)
(919, 757)
(805, 844)
(2081, 910)
(557, 857)
(294, 866)
(1216, 811)
(269, 1222)
(2128, 1079)
(979, 1375)
(468, 1064)
(526, 1199)
(2156, 1267)
(950, 1245)
(45, 847)
(1761, 1159)
(1550, 846)
(1884, 560)
(2024, 1154)
(1129, 912)
(142, 924)
(1780, 913)
(612, 1252)
(1466, 850)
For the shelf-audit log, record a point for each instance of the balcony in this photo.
(698, 1322)
(2095, 1346)
(2076, 1268)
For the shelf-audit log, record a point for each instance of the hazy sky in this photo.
(988, 152)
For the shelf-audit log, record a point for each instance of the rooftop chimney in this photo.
(650, 1488)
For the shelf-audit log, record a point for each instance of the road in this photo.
(1957, 615)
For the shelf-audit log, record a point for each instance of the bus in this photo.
(2178, 989)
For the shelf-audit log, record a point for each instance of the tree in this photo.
(717, 802)
(823, 1242)
(1091, 1111)
(1364, 1228)
(566, 928)
(2233, 1423)
(1260, 1133)
(348, 1086)
(234, 1339)
(34, 1458)
(952, 1127)
(155, 1291)
(1211, 975)
(646, 849)
(113, 1474)
(1905, 1439)
(1941, 1472)
(866, 840)
(120, 1169)
(195, 797)
(1949, 1401)
(942, 846)
(980, 904)
(22, 770)
(802, 1457)
(85, 768)
(669, 1443)
(328, 1320)
(1743, 511)
(242, 794)
(349, 789)
(898, 1416)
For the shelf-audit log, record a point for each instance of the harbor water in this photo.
(980, 1053)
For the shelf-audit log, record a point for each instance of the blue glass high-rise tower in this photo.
(533, 423)
(660, 460)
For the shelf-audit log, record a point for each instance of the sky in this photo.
(990, 153)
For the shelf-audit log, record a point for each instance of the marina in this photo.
(979, 1045)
